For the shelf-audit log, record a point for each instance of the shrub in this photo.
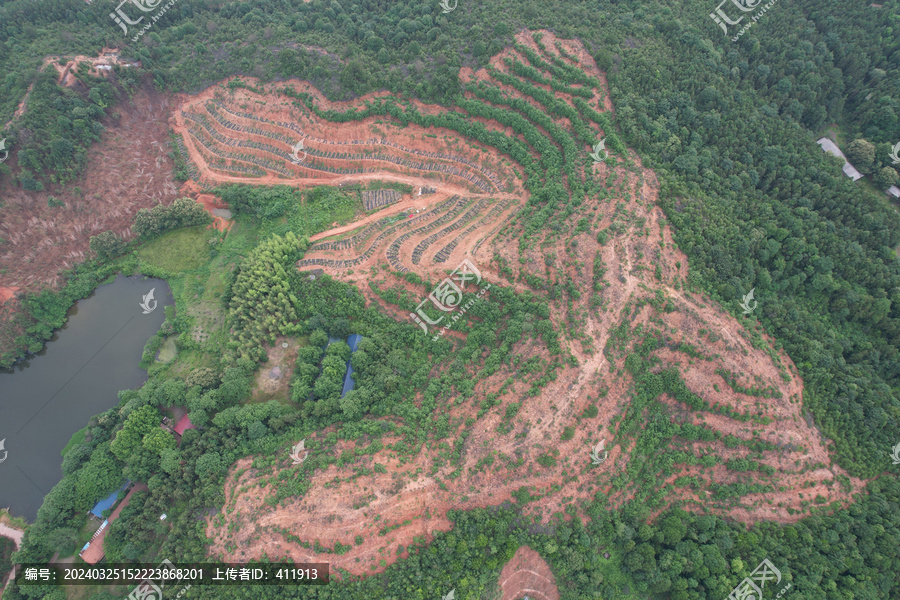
(183, 212)
(107, 245)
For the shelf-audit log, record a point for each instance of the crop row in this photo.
(470, 214)
(193, 171)
(238, 170)
(551, 103)
(421, 166)
(528, 72)
(238, 156)
(344, 264)
(444, 253)
(348, 242)
(393, 251)
(550, 154)
(558, 68)
(267, 149)
(372, 141)
(373, 199)
(493, 231)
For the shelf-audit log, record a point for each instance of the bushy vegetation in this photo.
(107, 245)
(45, 312)
(52, 140)
(261, 303)
(730, 130)
(183, 212)
(282, 209)
(7, 547)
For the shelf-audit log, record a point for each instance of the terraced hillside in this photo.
(241, 135)
(695, 407)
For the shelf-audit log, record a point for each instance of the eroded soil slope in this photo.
(743, 448)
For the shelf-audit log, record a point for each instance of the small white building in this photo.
(831, 148)
(894, 191)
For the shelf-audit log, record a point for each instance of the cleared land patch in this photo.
(694, 405)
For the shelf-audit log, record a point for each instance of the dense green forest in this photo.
(729, 128)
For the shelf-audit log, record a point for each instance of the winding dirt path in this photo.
(16, 536)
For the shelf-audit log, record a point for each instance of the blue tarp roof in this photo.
(348, 381)
(108, 501)
(353, 342)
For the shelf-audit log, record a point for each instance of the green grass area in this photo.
(168, 351)
(178, 251)
(614, 574)
(196, 271)
(77, 440)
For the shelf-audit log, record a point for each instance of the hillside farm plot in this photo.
(694, 406)
(229, 139)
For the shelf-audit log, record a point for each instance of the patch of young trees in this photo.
(262, 304)
(183, 212)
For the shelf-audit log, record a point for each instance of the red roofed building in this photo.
(183, 425)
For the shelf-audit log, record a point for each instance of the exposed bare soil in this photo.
(273, 380)
(240, 136)
(527, 574)
(412, 497)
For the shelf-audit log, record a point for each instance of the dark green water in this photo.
(45, 399)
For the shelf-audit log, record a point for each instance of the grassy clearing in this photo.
(168, 351)
(178, 251)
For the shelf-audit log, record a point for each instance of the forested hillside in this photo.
(730, 130)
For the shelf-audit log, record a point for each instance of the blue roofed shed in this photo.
(107, 502)
(349, 383)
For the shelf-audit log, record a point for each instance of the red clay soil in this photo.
(412, 496)
(210, 203)
(278, 123)
(95, 551)
(527, 574)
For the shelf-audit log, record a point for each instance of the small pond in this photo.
(48, 397)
